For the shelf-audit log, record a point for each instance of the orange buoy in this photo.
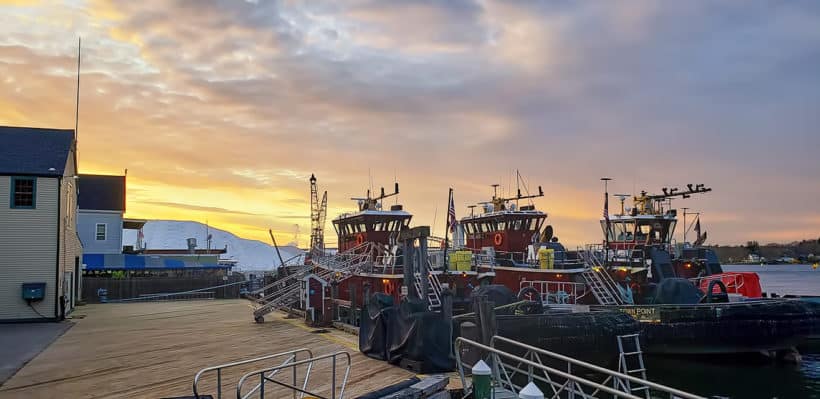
(359, 239)
(498, 239)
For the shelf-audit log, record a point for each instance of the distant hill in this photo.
(172, 234)
(807, 250)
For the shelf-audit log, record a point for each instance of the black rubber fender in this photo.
(523, 294)
(723, 296)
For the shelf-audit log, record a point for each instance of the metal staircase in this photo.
(598, 279)
(286, 290)
(433, 292)
(630, 362)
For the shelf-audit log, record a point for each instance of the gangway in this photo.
(598, 279)
(519, 364)
(433, 292)
(338, 267)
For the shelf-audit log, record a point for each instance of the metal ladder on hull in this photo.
(630, 362)
(433, 292)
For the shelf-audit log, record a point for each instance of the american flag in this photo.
(451, 213)
(606, 207)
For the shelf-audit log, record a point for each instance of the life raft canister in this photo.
(359, 239)
(498, 239)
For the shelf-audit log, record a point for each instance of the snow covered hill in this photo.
(172, 234)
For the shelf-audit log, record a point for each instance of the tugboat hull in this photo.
(742, 327)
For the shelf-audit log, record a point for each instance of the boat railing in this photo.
(266, 376)
(559, 292)
(281, 359)
(562, 375)
(732, 281)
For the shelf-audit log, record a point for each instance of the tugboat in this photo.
(685, 301)
(374, 231)
(680, 294)
(511, 241)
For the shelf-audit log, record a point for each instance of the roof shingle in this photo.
(34, 151)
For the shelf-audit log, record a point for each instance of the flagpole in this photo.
(606, 213)
(447, 228)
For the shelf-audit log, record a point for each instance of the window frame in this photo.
(97, 231)
(12, 191)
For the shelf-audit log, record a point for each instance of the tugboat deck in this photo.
(153, 350)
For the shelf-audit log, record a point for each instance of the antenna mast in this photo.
(77, 102)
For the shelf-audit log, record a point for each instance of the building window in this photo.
(23, 192)
(101, 230)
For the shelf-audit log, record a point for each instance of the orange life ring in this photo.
(359, 239)
(498, 239)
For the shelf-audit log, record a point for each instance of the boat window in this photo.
(644, 228)
(623, 231)
(502, 225)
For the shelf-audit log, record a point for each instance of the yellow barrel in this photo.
(546, 258)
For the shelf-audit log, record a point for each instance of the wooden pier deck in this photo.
(153, 350)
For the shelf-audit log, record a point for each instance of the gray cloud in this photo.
(445, 94)
(199, 208)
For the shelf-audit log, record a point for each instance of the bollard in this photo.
(531, 392)
(481, 380)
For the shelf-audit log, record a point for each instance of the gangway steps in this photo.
(338, 267)
(433, 292)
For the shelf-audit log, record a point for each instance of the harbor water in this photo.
(751, 377)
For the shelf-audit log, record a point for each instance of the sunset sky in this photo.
(221, 110)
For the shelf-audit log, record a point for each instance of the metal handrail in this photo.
(265, 373)
(498, 367)
(732, 280)
(573, 384)
(544, 288)
(292, 355)
(614, 374)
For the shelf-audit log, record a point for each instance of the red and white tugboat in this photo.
(374, 232)
(511, 240)
(371, 228)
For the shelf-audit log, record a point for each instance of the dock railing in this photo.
(266, 376)
(282, 359)
(512, 372)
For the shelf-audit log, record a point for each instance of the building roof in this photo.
(101, 193)
(185, 251)
(34, 151)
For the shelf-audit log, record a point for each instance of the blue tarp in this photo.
(151, 262)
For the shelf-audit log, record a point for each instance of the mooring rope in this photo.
(149, 297)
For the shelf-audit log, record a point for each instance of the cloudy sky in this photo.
(221, 110)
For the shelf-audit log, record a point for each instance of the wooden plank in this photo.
(153, 350)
